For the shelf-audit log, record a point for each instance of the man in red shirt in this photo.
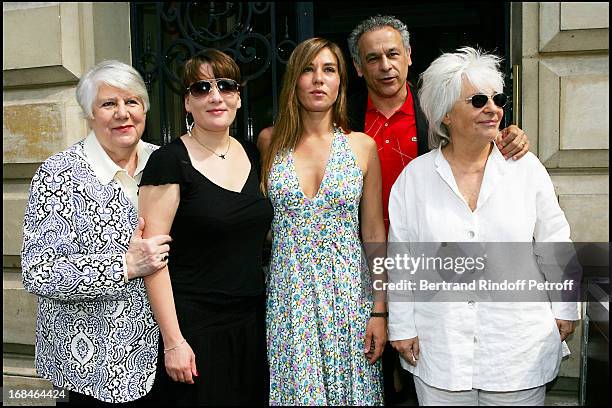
(390, 113)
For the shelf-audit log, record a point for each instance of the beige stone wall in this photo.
(565, 111)
(46, 49)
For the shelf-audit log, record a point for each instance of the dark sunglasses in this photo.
(480, 100)
(202, 88)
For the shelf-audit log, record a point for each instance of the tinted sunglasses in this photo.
(480, 100)
(203, 87)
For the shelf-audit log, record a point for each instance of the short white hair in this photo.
(441, 86)
(113, 73)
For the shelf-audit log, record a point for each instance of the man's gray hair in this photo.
(113, 73)
(376, 23)
(441, 83)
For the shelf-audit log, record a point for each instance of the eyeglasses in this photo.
(480, 100)
(203, 87)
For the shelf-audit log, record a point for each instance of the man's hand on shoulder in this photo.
(512, 142)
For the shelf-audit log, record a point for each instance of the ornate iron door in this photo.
(259, 36)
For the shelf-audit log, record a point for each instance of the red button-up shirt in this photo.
(396, 138)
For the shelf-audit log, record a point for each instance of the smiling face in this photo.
(473, 125)
(319, 83)
(216, 111)
(118, 118)
(384, 61)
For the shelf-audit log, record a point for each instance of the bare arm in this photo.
(373, 237)
(371, 212)
(158, 205)
(264, 139)
(372, 225)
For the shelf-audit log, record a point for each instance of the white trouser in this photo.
(429, 395)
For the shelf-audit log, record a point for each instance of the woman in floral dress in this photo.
(325, 332)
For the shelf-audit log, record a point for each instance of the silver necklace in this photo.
(222, 156)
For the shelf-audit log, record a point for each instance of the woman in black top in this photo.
(203, 189)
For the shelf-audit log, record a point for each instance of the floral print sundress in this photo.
(319, 298)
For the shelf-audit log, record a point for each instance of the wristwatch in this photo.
(379, 314)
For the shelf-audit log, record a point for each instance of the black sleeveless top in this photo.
(217, 234)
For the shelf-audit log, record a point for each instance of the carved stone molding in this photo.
(573, 111)
(42, 45)
(573, 26)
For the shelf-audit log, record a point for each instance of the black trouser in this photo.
(390, 363)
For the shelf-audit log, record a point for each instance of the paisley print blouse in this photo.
(95, 334)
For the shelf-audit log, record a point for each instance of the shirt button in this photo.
(475, 339)
(386, 140)
(386, 124)
(471, 234)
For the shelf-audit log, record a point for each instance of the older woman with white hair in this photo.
(83, 253)
(475, 353)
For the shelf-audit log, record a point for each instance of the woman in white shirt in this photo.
(470, 353)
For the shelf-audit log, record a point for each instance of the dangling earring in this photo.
(189, 126)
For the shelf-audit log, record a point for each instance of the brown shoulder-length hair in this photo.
(223, 66)
(288, 127)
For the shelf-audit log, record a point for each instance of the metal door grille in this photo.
(259, 36)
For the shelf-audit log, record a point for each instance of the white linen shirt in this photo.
(493, 346)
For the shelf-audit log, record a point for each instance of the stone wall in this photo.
(46, 49)
(564, 85)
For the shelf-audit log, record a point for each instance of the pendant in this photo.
(222, 156)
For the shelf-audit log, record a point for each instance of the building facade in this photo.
(558, 79)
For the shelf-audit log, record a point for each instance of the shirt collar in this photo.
(103, 166)
(495, 168)
(496, 158)
(143, 157)
(405, 109)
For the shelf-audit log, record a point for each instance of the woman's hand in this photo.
(566, 327)
(180, 363)
(375, 339)
(408, 349)
(145, 256)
